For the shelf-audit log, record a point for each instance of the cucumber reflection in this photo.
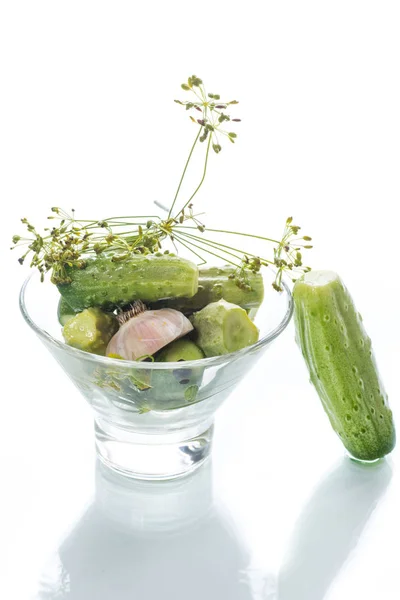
(330, 527)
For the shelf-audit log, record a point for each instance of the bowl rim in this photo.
(202, 362)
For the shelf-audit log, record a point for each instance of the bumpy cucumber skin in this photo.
(342, 367)
(214, 284)
(108, 284)
(214, 334)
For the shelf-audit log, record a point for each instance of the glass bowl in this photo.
(152, 420)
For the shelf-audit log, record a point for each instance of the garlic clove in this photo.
(148, 332)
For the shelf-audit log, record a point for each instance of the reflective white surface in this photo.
(279, 513)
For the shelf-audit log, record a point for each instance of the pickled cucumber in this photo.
(223, 327)
(339, 357)
(90, 330)
(107, 284)
(183, 349)
(216, 283)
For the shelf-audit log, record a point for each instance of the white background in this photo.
(88, 121)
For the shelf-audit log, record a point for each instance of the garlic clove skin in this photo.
(148, 332)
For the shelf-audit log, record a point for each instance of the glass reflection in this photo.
(150, 540)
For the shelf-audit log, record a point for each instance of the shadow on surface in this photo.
(329, 528)
(150, 540)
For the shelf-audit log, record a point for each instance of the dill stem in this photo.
(184, 172)
(219, 245)
(203, 177)
(209, 252)
(212, 244)
(251, 235)
(132, 217)
(180, 241)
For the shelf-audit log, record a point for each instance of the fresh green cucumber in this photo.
(90, 330)
(216, 283)
(222, 328)
(108, 284)
(342, 367)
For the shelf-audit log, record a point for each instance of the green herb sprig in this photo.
(72, 241)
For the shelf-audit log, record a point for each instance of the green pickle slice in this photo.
(90, 330)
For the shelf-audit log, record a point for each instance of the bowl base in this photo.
(152, 457)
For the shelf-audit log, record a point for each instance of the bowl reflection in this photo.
(150, 540)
